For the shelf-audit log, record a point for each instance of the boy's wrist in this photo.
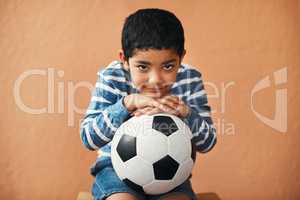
(129, 103)
(186, 112)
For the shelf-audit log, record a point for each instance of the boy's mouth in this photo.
(155, 91)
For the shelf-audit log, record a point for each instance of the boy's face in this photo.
(153, 71)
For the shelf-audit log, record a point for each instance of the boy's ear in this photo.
(123, 60)
(183, 54)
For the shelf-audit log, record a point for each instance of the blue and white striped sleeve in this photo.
(105, 113)
(199, 118)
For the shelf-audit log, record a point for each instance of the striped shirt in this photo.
(106, 111)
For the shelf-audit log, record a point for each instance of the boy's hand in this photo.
(176, 105)
(173, 105)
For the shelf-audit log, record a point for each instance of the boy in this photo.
(149, 79)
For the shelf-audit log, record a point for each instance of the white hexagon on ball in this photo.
(152, 146)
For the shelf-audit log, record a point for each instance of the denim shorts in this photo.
(107, 183)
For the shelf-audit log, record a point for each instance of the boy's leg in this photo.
(107, 185)
(121, 196)
(177, 196)
(182, 192)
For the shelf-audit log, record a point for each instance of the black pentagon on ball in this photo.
(133, 185)
(165, 168)
(127, 147)
(164, 124)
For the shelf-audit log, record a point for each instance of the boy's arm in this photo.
(106, 112)
(199, 119)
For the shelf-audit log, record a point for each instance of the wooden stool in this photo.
(84, 196)
(200, 196)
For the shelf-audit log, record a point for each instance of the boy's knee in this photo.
(121, 196)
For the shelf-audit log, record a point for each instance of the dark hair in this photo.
(152, 28)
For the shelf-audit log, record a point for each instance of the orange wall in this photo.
(234, 43)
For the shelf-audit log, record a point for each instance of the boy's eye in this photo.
(168, 67)
(142, 67)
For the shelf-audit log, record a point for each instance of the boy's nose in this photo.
(155, 78)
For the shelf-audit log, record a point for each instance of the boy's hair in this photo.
(152, 28)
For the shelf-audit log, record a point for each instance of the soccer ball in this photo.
(153, 153)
